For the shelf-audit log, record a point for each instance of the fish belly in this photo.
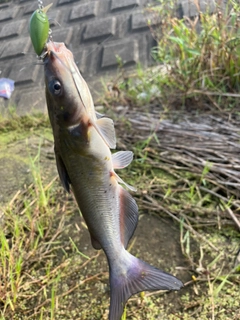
(97, 192)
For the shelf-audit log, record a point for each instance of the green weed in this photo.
(13, 127)
(198, 60)
(202, 54)
(26, 223)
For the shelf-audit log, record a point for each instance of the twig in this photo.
(232, 215)
(188, 227)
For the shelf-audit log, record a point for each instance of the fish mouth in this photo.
(56, 47)
(58, 50)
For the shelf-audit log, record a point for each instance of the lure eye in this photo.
(55, 87)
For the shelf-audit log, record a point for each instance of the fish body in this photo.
(84, 161)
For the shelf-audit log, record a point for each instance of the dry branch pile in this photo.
(204, 145)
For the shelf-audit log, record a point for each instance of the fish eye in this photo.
(55, 87)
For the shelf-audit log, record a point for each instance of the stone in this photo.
(12, 29)
(8, 14)
(30, 8)
(127, 50)
(15, 48)
(84, 11)
(32, 102)
(94, 30)
(124, 4)
(63, 35)
(62, 2)
(4, 6)
(26, 74)
(101, 28)
(190, 9)
(54, 18)
(141, 21)
(138, 21)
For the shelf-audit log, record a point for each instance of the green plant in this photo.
(27, 220)
(198, 60)
(202, 55)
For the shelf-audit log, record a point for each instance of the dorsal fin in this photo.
(128, 215)
(122, 159)
(105, 127)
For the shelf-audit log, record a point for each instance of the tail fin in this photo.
(133, 277)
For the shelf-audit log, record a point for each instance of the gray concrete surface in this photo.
(95, 31)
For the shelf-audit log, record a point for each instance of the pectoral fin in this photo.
(62, 171)
(105, 127)
(122, 159)
(128, 215)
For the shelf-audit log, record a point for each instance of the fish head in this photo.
(68, 97)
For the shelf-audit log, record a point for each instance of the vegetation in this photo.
(198, 60)
(187, 172)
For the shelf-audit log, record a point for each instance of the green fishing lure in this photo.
(39, 29)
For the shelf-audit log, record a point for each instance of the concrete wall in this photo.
(95, 31)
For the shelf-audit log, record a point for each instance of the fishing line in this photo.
(40, 4)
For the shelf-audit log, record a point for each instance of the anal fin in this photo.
(128, 215)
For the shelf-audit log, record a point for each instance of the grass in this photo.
(198, 70)
(24, 239)
(197, 60)
(22, 127)
(44, 268)
(214, 281)
(33, 262)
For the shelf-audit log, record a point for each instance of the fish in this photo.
(86, 166)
